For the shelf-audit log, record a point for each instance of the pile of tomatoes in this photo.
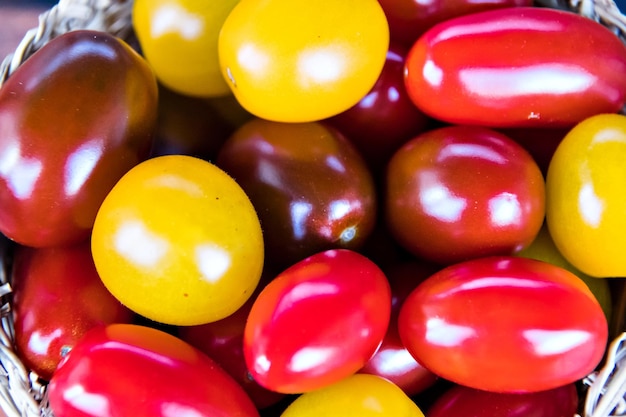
(336, 208)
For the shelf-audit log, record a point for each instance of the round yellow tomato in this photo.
(179, 40)
(302, 60)
(360, 395)
(178, 241)
(586, 202)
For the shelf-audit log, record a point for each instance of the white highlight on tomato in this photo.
(87, 402)
(171, 18)
(590, 205)
(212, 261)
(139, 245)
(437, 200)
(80, 164)
(505, 210)
(309, 358)
(554, 342)
(253, 59)
(320, 66)
(441, 333)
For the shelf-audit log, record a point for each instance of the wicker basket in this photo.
(23, 393)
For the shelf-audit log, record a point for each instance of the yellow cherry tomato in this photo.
(360, 395)
(586, 202)
(179, 40)
(178, 241)
(302, 60)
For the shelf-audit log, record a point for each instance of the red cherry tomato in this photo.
(519, 66)
(409, 19)
(57, 298)
(386, 117)
(74, 118)
(392, 360)
(222, 341)
(462, 401)
(505, 324)
(132, 370)
(317, 322)
(462, 192)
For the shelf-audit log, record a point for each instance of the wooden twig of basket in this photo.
(22, 393)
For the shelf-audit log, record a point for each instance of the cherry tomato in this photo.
(543, 249)
(386, 117)
(317, 322)
(309, 185)
(57, 298)
(74, 118)
(178, 241)
(222, 341)
(302, 61)
(585, 196)
(392, 360)
(462, 401)
(409, 19)
(517, 66)
(179, 40)
(126, 369)
(505, 324)
(356, 396)
(462, 192)
(188, 126)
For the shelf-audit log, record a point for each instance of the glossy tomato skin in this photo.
(460, 401)
(515, 67)
(310, 187)
(222, 341)
(409, 19)
(355, 396)
(73, 119)
(544, 249)
(126, 369)
(178, 241)
(57, 297)
(462, 192)
(585, 198)
(302, 61)
(505, 324)
(386, 117)
(306, 320)
(392, 360)
(179, 40)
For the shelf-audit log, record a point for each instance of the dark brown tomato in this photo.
(57, 297)
(74, 118)
(463, 192)
(310, 187)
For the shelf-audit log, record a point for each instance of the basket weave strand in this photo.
(23, 394)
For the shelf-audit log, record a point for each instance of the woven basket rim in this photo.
(23, 393)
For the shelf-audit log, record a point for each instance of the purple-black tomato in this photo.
(519, 66)
(505, 324)
(317, 322)
(133, 370)
(74, 118)
(311, 189)
(462, 192)
(460, 401)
